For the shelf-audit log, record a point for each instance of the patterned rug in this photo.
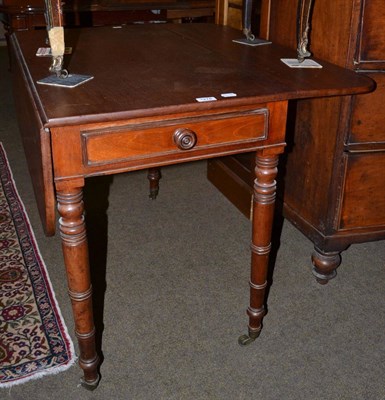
(33, 337)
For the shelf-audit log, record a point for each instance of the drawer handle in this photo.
(185, 138)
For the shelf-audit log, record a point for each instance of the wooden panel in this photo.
(37, 147)
(373, 33)
(310, 160)
(234, 18)
(281, 22)
(234, 181)
(229, 13)
(368, 120)
(364, 196)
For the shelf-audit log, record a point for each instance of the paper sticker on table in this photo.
(71, 81)
(255, 42)
(203, 99)
(294, 63)
(229, 95)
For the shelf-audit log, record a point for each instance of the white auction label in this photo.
(294, 63)
(202, 99)
(229, 95)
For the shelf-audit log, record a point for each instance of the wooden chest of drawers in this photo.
(334, 183)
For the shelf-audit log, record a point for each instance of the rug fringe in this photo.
(39, 375)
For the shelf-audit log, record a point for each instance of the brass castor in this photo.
(91, 386)
(245, 340)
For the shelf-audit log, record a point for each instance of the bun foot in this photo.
(325, 265)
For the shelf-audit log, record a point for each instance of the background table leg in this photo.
(154, 176)
(75, 251)
(263, 214)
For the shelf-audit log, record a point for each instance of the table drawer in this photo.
(202, 135)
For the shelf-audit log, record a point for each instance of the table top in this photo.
(157, 69)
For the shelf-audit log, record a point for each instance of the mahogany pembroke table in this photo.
(161, 94)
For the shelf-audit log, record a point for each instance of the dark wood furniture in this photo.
(230, 13)
(334, 184)
(29, 14)
(115, 124)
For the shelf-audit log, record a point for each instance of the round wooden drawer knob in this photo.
(185, 138)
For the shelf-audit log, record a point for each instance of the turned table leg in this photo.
(75, 251)
(262, 223)
(154, 175)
